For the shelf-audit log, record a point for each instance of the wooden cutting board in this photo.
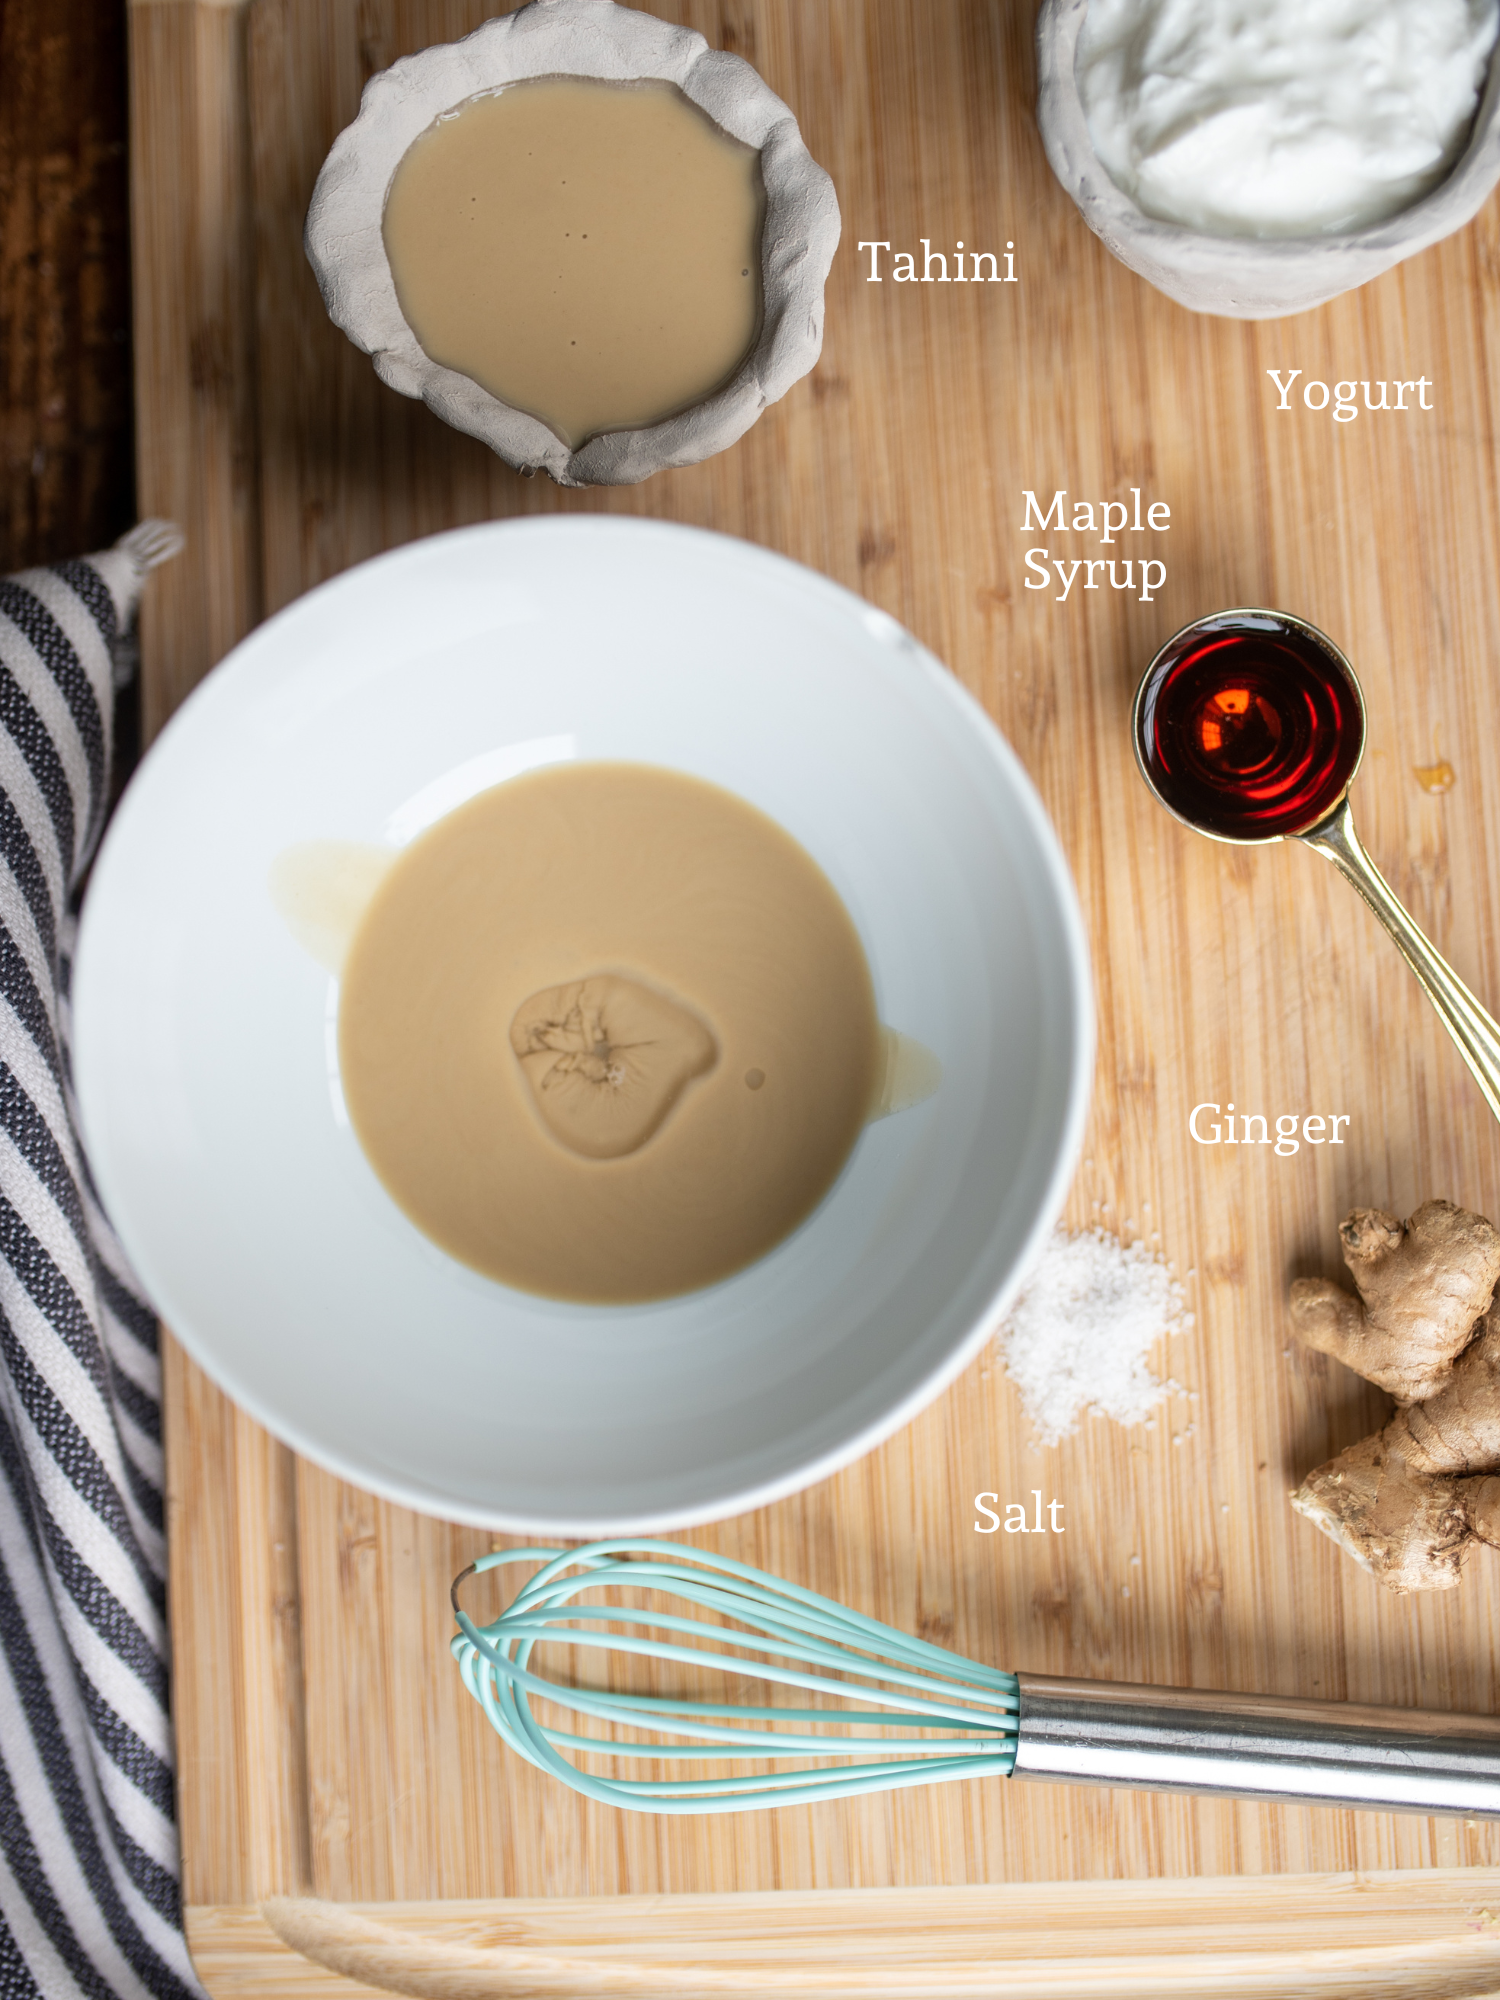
(325, 1742)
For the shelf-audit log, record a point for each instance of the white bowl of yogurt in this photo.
(1258, 158)
(208, 1055)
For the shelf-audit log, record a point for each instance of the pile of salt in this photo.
(1078, 1337)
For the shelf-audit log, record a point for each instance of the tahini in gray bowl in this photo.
(585, 39)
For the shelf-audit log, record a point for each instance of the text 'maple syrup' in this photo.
(1249, 727)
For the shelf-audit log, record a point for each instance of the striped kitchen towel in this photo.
(89, 1896)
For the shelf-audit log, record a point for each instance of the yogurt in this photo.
(1281, 117)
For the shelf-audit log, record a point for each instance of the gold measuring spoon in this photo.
(1249, 726)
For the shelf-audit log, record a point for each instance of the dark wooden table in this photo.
(67, 462)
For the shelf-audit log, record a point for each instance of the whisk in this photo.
(908, 1712)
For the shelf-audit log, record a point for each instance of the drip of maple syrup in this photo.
(1249, 726)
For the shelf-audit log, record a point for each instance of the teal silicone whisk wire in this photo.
(929, 1714)
(908, 1713)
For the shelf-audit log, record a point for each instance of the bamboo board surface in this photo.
(1356, 1938)
(325, 1742)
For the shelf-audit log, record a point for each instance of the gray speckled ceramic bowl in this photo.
(593, 38)
(1241, 277)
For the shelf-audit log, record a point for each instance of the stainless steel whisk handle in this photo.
(1268, 1747)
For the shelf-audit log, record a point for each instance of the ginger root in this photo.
(1422, 1285)
(1410, 1530)
(1409, 1503)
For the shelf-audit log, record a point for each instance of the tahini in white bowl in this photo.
(206, 1057)
(1242, 277)
(582, 38)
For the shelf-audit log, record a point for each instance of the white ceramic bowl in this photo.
(204, 1044)
(1242, 277)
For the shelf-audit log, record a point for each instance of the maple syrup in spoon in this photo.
(1249, 727)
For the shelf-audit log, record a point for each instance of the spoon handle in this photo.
(1476, 1033)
